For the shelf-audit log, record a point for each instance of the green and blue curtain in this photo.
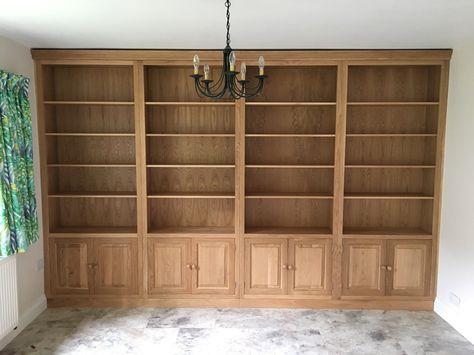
(18, 220)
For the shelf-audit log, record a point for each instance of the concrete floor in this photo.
(237, 331)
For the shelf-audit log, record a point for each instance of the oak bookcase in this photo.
(324, 191)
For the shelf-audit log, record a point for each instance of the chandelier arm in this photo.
(256, 91)
(238, 88)
(218, 83)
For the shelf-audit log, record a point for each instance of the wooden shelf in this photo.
(91, 134)
(384, 196)
(289, 103)
(386, 231)
(104, 194)
(227, 166)
(91, 165)
(282, 135)
(279, 195)
(287, 230)
(190, 103)
(374, 166)
(94, 232)
(394, 103)
(290, 166)
(89, 102)
(377, 135)
(192, 230)
(197, 135)
(193, 195)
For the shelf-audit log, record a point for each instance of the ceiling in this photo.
(262, 24)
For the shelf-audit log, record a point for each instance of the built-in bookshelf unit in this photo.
(322, 191)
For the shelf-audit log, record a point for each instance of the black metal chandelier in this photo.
(229, 84)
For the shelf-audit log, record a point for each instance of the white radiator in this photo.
(8, 296)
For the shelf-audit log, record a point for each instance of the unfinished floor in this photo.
(237, 331)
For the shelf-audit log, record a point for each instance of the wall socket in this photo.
(40, 264)
(454, 299)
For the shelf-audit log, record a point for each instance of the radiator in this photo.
(8, 296)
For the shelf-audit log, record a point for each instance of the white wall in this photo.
(456, 258)
(31, 299)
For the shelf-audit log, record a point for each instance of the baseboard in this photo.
(24, 319)
(463, 324)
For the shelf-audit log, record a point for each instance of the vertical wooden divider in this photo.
(339, 166)
(140, 147)
(43, 174)
(240, 191)
(440, 144)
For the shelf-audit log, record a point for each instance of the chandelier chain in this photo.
(227, 4)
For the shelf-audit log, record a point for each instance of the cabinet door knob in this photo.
(290, 267)
(389, 268)
(284, 266)
(188, 266)
(90, 266)
(193, 266)
(384, 267)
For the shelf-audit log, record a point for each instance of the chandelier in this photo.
(230, 83)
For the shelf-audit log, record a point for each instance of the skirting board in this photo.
(26, 318)
(243, 303)
(461, 322)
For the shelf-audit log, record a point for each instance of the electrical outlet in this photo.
(40, 264)
(454, 299)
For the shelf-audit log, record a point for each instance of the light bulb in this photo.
(261, 65)
(232, 60)
(206, 71)
(196, 64)
(243, 71)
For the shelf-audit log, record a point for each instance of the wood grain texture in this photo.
(89, 119)
(88, 83)
(190, 213)
(302, 84)
(290, 119)
(393, 83)
(190, 119)
(190, 150)
(304, 151)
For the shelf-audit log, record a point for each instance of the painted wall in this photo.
(31, 299)
(455, 301)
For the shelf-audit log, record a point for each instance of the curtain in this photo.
(18, 220)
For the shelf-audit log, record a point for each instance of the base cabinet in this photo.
(287, 266)
(386, 268)
(94, 266)
(191, 266)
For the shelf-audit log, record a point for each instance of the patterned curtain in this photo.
(18, 221)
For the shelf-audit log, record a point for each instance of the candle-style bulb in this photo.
(232, 60)
(206, 71)
(261, 65)
(243, 70)
(196, 64)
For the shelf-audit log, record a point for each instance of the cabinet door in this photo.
(309, 270)
(169, 261)
(363, 274)
(410, 263)
(214, 261)
(264, 261)
(116, 266)
(71, 266)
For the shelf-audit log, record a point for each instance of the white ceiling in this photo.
(254, 23)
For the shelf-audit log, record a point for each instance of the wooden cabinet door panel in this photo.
(410, 262)
(167, 265)
(70, 262)
(264, 260)
(362, 268)
(309, 266)
(215, 266)
(116, 266)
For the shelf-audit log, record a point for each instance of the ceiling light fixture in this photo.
(228, 82)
